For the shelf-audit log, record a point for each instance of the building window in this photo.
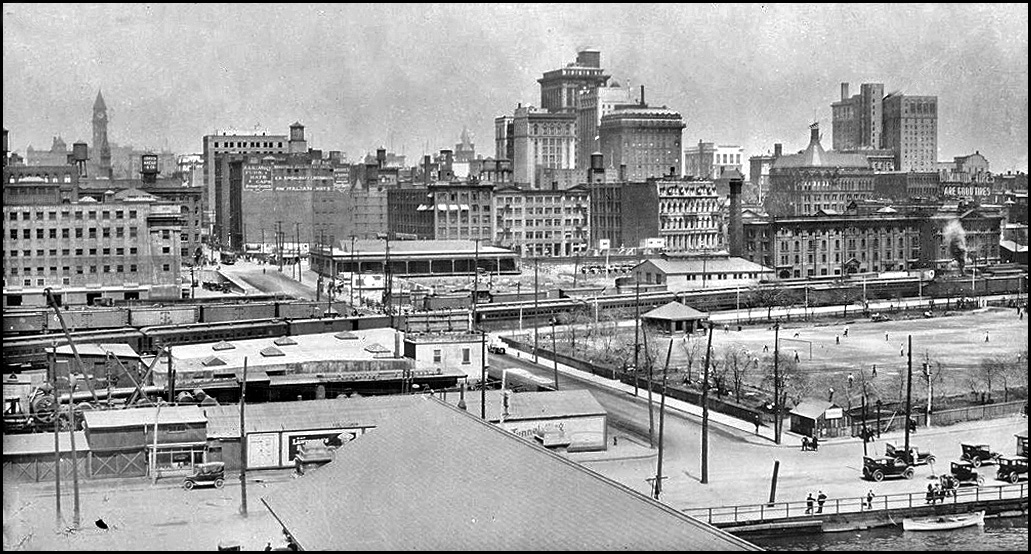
(466, 356)
(166, 267)
(436, 355)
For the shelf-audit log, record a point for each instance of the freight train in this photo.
(42, 320)
(29, 351)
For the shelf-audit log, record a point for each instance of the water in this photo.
(997, 534)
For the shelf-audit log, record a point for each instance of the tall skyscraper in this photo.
(560, 87)
(911, 131)
(592, 104)
(858, 120)
(646, 140)
(541, 139)
(101, 147)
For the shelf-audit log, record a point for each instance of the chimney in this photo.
(445, 172)
(814, 133)
(381, 157)
(622, 173)
(642, 97)
(844, 91)
(426, 169)
(736, 225)
(778, 148)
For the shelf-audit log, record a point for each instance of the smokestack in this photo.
(737, 231)
(381, 157)
(642, 96)
(814, 133)
(622, 173)
(778, 148)
(426, 169)
(844, 91)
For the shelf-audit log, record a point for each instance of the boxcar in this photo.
(25, 322)
(300, 310)
(83, 319)
(170, 335)
(221, 313)
(164, 315)
(32, 349)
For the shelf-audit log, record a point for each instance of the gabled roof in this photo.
(684, 266)
(139, 417)
(675, 311)
(812, 409)
(433, 477)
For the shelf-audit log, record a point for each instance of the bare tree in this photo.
(765, 296)
(846, 295)
(794, 384)
(694, 351)
(739, 366)
(988, 373)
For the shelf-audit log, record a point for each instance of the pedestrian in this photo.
(846, 331)
(815, 444)
(766, 348)
(757, 422)
(869, 499)
(809, 504)
(805, 443)
(615, 440)
(874, 374)
(796, 335)
(930, 494)
(796, 355)
(885, 336)
(902, 349)
(820, 499)
(837, 339)
(850, 379)
(986, 336)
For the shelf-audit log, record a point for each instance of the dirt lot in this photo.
(827, 356)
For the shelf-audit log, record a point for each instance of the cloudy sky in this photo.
(408, 76)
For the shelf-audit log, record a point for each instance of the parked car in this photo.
(879, 468)
(1012, 469)
(496, 348)
(211, 473)
(919, 457)
(963, 473)
(978, 454)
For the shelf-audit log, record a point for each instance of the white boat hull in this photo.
(943, 523)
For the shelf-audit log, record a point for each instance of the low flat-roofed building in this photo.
(122, 441)
(680, 274)
(29, 457)
(277, 430)
(414, 258)
(674, 318)
(436, 351)
(307, 366)
(432, 477)
(575, 416)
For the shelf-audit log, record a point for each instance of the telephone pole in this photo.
(909, 397)
(662, 418)
(536, 314)
(776, 383)
(279, 243)
(705, 411)
(243, 443)
(297, 245)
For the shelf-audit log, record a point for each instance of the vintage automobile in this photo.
(963, 473)
(1012, 469)
(496, 347)
(979, 454)
(211, 473)
(919, 457)
(879, 468)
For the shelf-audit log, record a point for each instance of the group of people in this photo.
(820, 500)
(810, 443)
(938, 493)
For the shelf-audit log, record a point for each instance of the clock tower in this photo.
(101, 148)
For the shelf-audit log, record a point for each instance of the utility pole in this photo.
(388, 282)
(536, 312)
(930, 388)
(483, 375)
(52, 362)
(776, 383)
(76, 518)
(297, 243)
(354, 270)
(637, 329)
(909, 394)
(662, 419)
(705, 411)
(554, 351)
(476, 278)
(651, 411)
(279, 243)
(243, 442)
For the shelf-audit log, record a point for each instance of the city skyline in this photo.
(410, 77)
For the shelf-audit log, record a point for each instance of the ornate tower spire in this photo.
(100, 144)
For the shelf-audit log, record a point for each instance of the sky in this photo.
(410, 77)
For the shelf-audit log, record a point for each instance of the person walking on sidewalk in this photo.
(820, 499)
(869, 499)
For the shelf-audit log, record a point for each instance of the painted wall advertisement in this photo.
(586, 432)
(292, 441)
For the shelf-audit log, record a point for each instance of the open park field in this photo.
(965, 352)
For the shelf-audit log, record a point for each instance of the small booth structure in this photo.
(30, 457)
(122, 441)
(818, 418)
(1021, 444)
(674, 318)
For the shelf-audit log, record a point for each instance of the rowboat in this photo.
(943, 523)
